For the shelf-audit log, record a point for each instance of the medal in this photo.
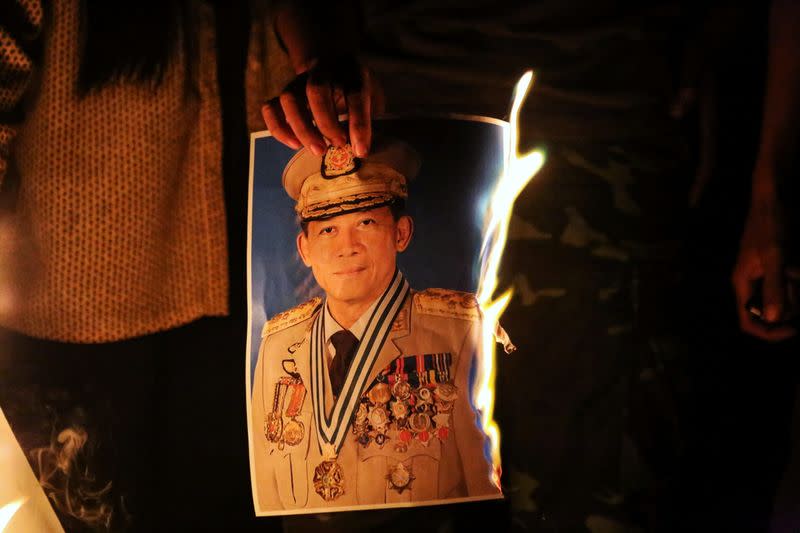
(298, 391)
(361, 425)
(399, 410)
(424, 394)
(329, 480)
(379, 394)
(441, 420)
(361, 415)
(401, 390)
(420, 422)
(399, 478)
(273, 422)
(273, 427)
(329, 475)
(293, 432)
(378, 418)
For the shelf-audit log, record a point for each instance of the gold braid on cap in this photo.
(372, 185)
(356, 202)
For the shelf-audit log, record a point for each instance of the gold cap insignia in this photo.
(338, 161)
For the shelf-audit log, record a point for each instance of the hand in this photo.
(306, 112)
(761, 256)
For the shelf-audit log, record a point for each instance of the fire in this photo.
(8, 511)
(517, 172)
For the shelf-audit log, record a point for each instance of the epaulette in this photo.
(444, 302)
(293, 316)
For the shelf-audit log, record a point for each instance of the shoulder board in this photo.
(447, 303)
(293, 316)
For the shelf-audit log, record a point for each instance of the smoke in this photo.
(63, 472)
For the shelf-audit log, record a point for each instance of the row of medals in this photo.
(291, 431)
(406, 413)
(412, 414)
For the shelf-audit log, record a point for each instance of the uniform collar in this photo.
(358, 327)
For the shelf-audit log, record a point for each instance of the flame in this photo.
(517, 172)
(8, 511)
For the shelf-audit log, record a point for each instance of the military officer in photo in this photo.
(363, 397)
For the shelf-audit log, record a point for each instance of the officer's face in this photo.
(353, 255)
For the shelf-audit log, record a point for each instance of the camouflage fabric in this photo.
(586, 406)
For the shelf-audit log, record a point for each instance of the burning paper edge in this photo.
(516, 174)
(29, 507)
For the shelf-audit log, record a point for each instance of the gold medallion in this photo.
(329, 480)
(293, 432)
(401, 390)
(379, 394)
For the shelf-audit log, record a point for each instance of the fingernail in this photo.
(317, 150)
(361, 150)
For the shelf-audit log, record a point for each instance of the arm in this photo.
(761, 250)
(20, 34)
(321, 40)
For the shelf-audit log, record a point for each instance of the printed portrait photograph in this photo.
(365, 330)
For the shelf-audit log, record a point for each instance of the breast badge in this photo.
(329, 480)
(399, 478)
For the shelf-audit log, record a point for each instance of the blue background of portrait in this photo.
(461, 160)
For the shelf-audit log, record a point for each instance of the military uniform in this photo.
(413, 435)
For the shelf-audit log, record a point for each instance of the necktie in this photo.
(345, 344)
